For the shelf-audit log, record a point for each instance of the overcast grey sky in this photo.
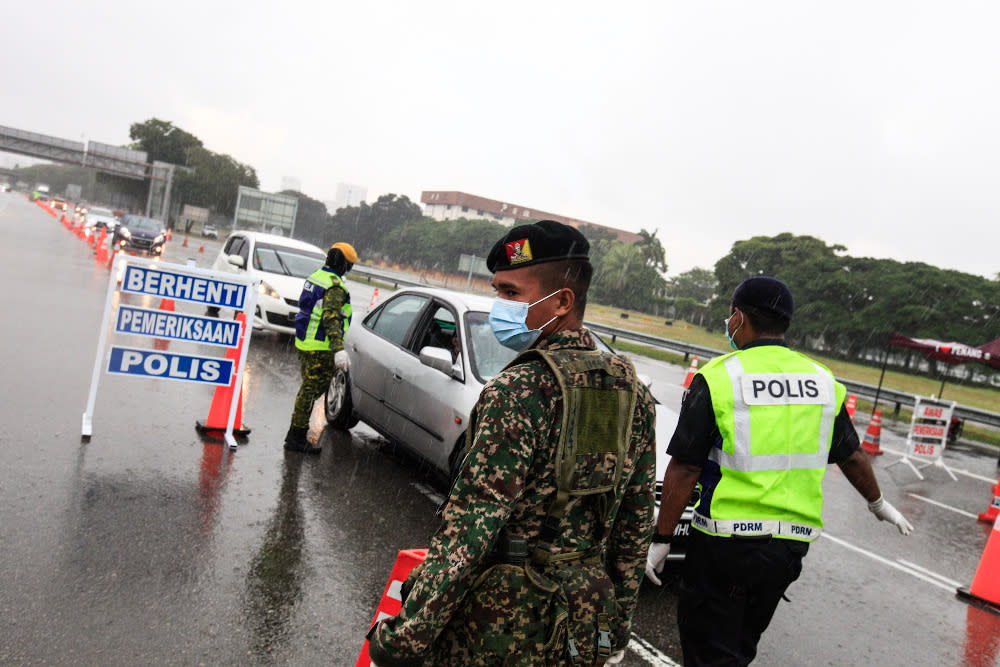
(868, 124)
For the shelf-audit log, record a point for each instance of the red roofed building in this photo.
(451, 205)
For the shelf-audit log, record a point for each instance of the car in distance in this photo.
(210, 232)
(98, 218)
(282, 264)
(59, 203)
(418, 363)
(139, 233)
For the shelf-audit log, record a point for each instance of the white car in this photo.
(96, 218)
(282, 265)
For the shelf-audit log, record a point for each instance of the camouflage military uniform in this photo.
(317, 366)
(464, 609)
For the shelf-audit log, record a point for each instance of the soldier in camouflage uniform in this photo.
(323, 317)
(530, 566)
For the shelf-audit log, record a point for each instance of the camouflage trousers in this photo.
(317, 371)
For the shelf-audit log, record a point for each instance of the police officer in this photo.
(756, 430)
(542, 542)
(323, 318)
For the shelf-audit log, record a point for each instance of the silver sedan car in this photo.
(418, 363)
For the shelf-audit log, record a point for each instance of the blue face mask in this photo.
(729, 336)
(508, 320)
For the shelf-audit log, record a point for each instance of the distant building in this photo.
(347, 195)
(451, 205)
(291, 183)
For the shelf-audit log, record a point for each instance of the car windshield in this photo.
(488, 355)
(100, 211)
(145, 224)
(286, 261)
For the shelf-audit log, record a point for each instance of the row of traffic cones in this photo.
(201, 248)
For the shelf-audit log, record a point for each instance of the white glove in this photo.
(341, 361)
(616, 657)
(886, 512)
(657, 556)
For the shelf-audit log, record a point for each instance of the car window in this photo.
(439, 330)
(286, 261)
(488, 355)
(233, 245)
(395, 318)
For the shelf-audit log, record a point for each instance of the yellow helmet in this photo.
(347, 250)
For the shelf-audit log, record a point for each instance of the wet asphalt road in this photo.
(148, 545)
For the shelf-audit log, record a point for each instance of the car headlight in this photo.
(268, 290)
(126, 233)
(159, 239)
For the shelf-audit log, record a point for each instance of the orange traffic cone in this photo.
(218, 412)
(169, 235)
(374, 299)
(874, 435)
(101, 247)
(185, 244)
(202, 248)
(991, 513)
(392, 601)
(692, 369)
(163, 343)
(850, 404)
(985, 588)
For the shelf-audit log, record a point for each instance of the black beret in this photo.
(543, 241)
(765, 293)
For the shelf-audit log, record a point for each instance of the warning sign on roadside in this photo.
(136, 323)
(928, 434)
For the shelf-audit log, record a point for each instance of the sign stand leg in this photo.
(908, 462)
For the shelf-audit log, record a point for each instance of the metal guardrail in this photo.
(887, 395)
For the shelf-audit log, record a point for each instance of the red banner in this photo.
(951, 353)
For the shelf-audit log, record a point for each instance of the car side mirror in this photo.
(236, 261)
(437, 358)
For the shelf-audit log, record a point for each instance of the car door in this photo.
(375, 351)
(431, 407)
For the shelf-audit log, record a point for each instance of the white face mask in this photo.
(729, 336)
(508, 320)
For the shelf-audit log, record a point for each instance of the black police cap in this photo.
(765, 293)
(537, 243)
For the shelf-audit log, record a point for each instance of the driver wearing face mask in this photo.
(543, 540)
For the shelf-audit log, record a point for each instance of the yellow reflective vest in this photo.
(309, 332)
(775, 410)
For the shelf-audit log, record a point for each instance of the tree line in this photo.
(848, 306)
(845, 306)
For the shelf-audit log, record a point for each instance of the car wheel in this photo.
(339, 410)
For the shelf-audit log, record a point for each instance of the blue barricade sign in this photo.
(170, 366)
(177, 326)
(172, 285)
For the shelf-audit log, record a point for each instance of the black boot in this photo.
(296, 441)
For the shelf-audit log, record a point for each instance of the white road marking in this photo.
(951, 582)
(947, 507)
(428, 492)
(957, 471)
(920, 573)
(650, 653)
